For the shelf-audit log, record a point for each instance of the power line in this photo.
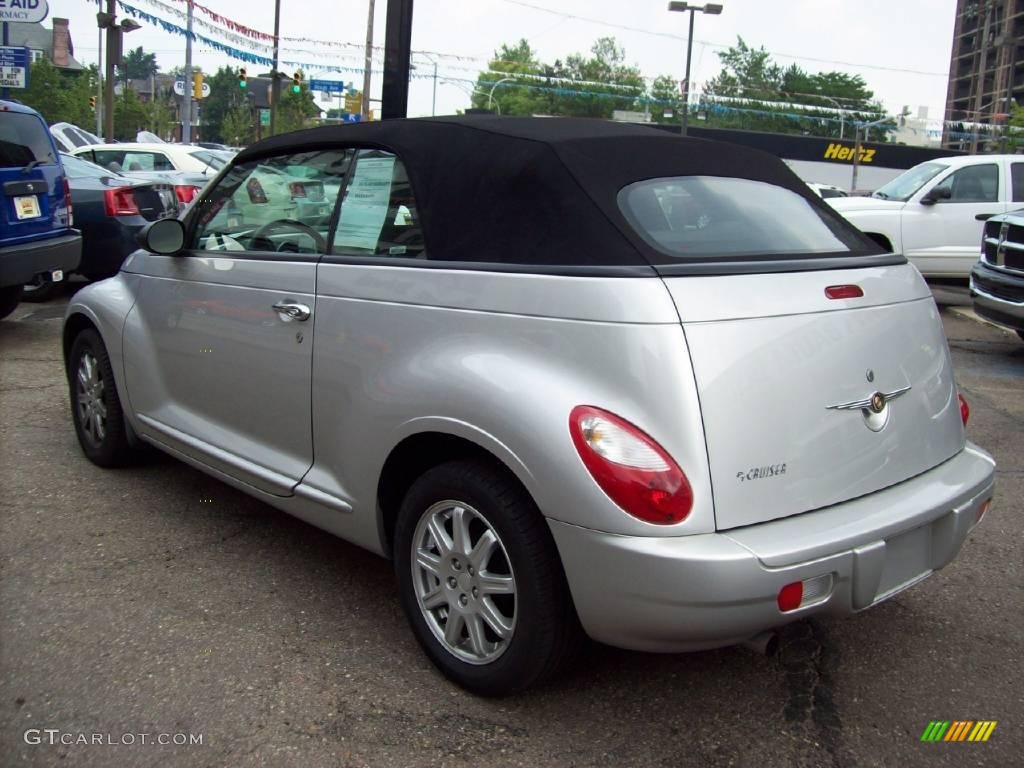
(670, 36)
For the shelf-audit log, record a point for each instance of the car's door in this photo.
(942, 238)
(218, 347)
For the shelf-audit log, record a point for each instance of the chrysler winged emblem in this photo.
(874, 407)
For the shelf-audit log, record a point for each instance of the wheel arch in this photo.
(419, 451)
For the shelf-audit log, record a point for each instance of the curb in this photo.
(970, 314)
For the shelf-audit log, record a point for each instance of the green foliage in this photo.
(60, 95)
(225, 98)
(752, 92)
(666, 100)
(294, 109)
(160, 117)
(236, 127)
(137, 65)
(581, 86)
(130, 116)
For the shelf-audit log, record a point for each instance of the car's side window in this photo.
(1017, 181)
(282, 204)
(378, 215)
(973, 184)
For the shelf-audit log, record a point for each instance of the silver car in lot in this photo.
(569, 375)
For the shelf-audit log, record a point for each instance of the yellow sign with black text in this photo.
(842, 152)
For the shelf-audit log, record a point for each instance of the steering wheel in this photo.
(318, 239)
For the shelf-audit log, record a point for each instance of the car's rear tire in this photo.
(490, 606)
(95, 406)
(9, 298)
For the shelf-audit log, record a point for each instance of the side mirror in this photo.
(165, 237)
(935, 194)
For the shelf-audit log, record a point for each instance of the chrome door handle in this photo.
(292, 311)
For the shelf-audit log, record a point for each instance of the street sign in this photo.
(324, 86)
(179, 85)
(264, 117)
(25, 11)
(351, 117)
(14, 65)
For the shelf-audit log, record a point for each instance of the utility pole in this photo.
(186, 103)
(275, 76)
(99, 74)
(433, 99)
(113, 53)
(365, 107)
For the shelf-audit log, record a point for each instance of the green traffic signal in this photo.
(242, 84)
(296, 89)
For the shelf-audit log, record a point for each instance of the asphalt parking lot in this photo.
(157, 600)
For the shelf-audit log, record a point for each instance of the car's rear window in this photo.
(702, 217)
(24, 139)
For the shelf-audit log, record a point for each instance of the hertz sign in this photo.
(843, 152)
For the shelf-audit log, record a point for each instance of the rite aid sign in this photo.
(25, 11)
(179, 86)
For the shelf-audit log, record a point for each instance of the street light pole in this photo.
(275, 76)
(490, 96)
(186, 100)
(842, 117)
(856, 147)
(709, 8)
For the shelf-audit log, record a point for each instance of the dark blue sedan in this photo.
(109, 209)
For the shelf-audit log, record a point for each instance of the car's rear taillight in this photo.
(120, 201)
(67, 202)
(965, 409)
(629, 466)
(297, 189)
(185, 193)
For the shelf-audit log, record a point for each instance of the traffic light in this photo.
(243, 78)
(297, 82)
(92, 103)
(197, 85)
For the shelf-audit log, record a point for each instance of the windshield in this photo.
(906, 184)
(697, 217)
(211, 159)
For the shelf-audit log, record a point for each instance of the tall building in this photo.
(986, 72)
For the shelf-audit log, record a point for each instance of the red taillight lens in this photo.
(965, 409)
(628, 465)
(67, 202)
(120, 201)
(297, 189)
(186, 193)
(790, 596)
(844, 292)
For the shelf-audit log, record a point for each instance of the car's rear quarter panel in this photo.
(499, 359)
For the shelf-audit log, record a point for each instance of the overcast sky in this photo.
(900, 47)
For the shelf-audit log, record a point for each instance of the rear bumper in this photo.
(20, 263)
(711, 590)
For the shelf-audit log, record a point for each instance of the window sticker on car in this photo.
(366, 203)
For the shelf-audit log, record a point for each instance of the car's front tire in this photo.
(95, 406)
(480, 579)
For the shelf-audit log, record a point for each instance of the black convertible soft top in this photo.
(543, 191)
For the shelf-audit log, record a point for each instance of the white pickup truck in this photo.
(933, 213)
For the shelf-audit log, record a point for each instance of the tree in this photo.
(225, 97)
(130, 116)
(60, 95)
(584, 86)
(138, 65)
(752, 92)
(236, 127)
(519, 94)
(666, 101)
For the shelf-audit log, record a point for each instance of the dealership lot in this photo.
(157, 600)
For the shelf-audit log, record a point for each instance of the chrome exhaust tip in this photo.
(765, 644)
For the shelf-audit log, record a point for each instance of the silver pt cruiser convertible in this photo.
(567, 374)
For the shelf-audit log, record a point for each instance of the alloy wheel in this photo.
(89, 392)
(463, 581)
